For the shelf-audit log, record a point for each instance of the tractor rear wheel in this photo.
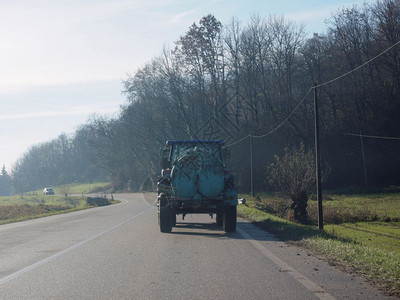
(229, 219)
(218, 219)
(164, 215)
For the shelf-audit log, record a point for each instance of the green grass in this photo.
(32, 199)
(338, 208)
(382, 267)
(85, 188)
(368, 248)
(35, 204)
(20, 213)
(285, 229)
(80, 188)
(382, 235)
(384, 207)
(17, 208)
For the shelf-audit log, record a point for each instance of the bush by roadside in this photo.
(97, 201)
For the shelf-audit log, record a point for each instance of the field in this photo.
(85, 188)
(35, 204)
(361, 232)
(353, 208)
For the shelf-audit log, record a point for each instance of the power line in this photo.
(359, 67)
(373, 136)
(237, 142)
(317, 86)
(277, 127)
(284, 121)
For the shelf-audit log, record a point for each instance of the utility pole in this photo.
(317, 161)
(363, 157)
(251, 165)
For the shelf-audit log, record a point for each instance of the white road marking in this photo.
(306, 282)
(67, 250)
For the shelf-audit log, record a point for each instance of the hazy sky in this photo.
(63, 60)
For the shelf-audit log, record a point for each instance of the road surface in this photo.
(118, 252)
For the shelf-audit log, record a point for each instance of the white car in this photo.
(48, 191)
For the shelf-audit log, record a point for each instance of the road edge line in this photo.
(306, 282)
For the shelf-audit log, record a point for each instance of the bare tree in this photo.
(294, 175)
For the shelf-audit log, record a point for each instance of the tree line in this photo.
(6, 186)
(227, 81)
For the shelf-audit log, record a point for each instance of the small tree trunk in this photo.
(299, 207)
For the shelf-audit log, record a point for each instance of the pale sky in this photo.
(62, 61)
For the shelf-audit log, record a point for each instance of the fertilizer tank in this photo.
(198, 174)
(194, 180)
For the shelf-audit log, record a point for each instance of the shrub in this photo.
(97, 201)
(294, 175)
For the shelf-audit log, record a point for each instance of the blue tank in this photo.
(194, 180)
(198, 173)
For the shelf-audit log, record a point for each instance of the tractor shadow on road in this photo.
(211, 230)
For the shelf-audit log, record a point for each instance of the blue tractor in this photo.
(195, 180)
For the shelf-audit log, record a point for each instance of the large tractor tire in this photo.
(173, 219)
(218, 218)
(229, 219)
(165, 216)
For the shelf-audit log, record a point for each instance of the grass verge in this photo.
(32, 213)
(80, 188)
(35, 205)
(380, 266)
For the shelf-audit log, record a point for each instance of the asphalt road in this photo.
(117, 252)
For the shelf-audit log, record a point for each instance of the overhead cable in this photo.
(277, 127)
(359, 67)
(237, 142)
(317, 86)
(287, 118)
(374, 136)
